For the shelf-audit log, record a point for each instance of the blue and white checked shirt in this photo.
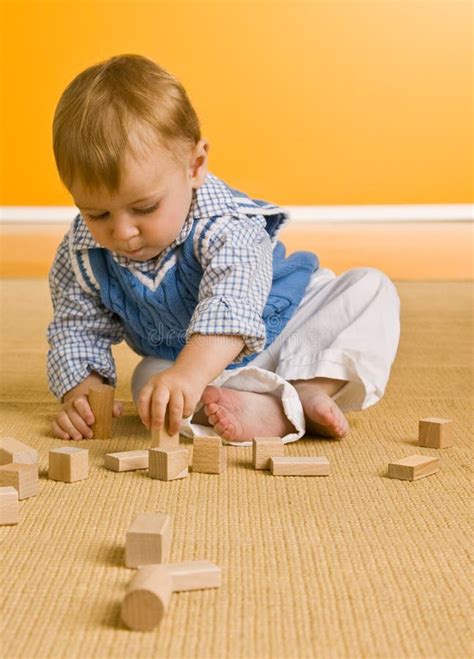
(236, 257)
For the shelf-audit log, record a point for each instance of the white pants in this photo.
(347, 327)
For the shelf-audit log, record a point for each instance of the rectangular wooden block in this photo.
(101, 400)
(435, 433)
(11, 450)
(162, 438)
(168, 464)
(148, 539)
(126, 460)
(194, 575)
(9, 506)
(209, 455)
(413, 467)
(68, 464)
(23, 477)
(263, 448)
(300, 466)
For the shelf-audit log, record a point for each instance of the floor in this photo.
(347, 566)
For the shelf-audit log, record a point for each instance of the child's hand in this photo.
(173, 389)
(75, 417)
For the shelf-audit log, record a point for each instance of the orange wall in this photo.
(322, 102)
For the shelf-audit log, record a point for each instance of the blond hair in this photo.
(105, 105)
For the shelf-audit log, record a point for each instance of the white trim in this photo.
(303, 214)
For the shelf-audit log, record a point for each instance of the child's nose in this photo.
(124, 228)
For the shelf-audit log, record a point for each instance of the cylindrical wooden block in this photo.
(147, 597)
(101, 400)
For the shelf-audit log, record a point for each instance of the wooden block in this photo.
(263, 448)
(435, 433)
(299, 466)
(168, 464)
(148, 539)
(194, 575)
(101, 400)
(209, 455)
(126, 460)
(11, 450)
(162, 438)
(413, 467)
(23, 477)
(68, 464)
(147, 598)
(9, 506)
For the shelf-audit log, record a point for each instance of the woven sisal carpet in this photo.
(353, 565)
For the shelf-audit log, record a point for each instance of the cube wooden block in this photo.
(23, 477)
(11, 450)
(101, 400)
(263, 448)
(148, 539)
(68, 464)
(413, 467)
(9, 506)
(160, 438)
(300, 466)
(168, 464)
(435, 433)
(209, 456)
(194, 575)
(126, 460)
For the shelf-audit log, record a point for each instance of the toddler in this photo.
(236, 337)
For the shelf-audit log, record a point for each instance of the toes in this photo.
(210, 395)
(211, 409)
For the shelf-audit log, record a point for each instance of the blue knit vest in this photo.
(155, 322)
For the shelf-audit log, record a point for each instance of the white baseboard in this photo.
(303, 214)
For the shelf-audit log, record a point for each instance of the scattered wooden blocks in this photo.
(68, 464)
(126, 460)
(11, 450)
(194, 575)
(264, 448)
(162, 438)
(147, 598)
(23, 477)
(300, 466)
(413, 467)
(167, 464)
(209, 456)
(149, 592)
(9, 506)
(435, 433)
(148, 539)
(101, 400)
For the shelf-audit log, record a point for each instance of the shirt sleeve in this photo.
(236, 281)
(82, 331)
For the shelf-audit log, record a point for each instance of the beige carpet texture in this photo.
(352, 565)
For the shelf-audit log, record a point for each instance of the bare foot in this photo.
(241, 415)
(323, 416)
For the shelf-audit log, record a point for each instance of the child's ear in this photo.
(198, 169)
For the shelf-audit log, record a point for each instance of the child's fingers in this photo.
(81, 405)
(59, 432)
(175, 412)
(81, 426)
(65, 423)
(159, 401)
(143, 405)
(118, 409)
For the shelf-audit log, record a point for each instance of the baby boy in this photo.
(234, 335)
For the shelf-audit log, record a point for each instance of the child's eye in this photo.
(144, 211)
(140, 211)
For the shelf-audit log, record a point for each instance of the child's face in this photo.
(141, 230)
